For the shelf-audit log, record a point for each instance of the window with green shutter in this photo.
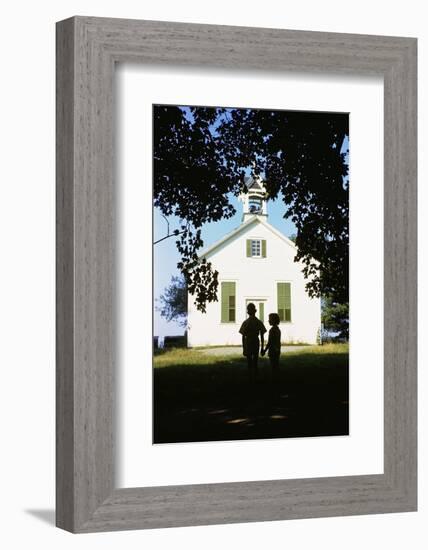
(228, 302)
(284, 301)
(256, 248)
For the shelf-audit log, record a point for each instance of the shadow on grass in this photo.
(196, 401)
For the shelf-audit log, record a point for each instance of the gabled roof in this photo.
(251, 221)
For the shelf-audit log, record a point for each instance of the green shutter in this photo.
(262, 312)
(228, 302)
(284, 301)
(263, 248)
(232, 308)
(248, 248)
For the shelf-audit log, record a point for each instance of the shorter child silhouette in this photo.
(273, 346)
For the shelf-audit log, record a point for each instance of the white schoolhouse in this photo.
(255, 264)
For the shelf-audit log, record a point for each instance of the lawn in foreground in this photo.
(201, 397)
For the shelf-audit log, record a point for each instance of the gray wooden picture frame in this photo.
(87, 50)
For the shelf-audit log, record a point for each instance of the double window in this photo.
(256, 248)
(228, 302)
(284, 301)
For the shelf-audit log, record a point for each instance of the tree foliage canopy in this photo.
(201, 157)
(173, 302)
(335, 317)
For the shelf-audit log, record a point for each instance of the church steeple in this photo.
(254, 200)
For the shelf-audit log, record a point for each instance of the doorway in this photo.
(260, 306)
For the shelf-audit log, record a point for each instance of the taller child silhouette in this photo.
(250, 329)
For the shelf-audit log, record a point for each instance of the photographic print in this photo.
(251, 274)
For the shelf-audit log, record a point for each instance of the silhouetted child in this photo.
(250, 329)
(273, 346)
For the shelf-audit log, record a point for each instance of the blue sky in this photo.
(165, 255)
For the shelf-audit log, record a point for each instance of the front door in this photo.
(260, 305)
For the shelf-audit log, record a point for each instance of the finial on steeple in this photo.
(254, 200)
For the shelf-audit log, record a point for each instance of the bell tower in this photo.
(254, 200)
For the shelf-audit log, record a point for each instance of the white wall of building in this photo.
(256, 278)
